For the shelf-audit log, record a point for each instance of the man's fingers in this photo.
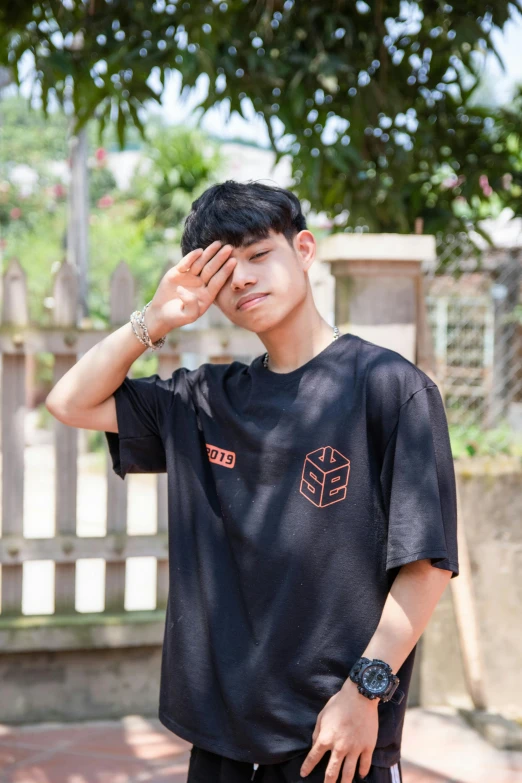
(215, 263)
(187, 261)
(210, 260)
(334, 765)
(195, 260)
(217, 281)
(348, 770)
(316, 752)
(365, 762)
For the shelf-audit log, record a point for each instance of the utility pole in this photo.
(78, 216)
(78, 203)
(6, 78)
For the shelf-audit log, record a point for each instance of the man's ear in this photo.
(305, 247)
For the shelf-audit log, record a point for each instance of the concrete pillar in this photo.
(379, 293)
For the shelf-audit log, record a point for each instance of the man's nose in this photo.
(242, 276)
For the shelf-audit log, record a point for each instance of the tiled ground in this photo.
(437, 748)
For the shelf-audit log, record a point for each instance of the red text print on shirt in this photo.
(221, 456)
(325, 476)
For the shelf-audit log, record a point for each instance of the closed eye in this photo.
(259, 254)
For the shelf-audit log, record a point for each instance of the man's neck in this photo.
(297, 340)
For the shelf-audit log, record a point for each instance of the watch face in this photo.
(375, 679)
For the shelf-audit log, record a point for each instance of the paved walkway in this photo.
(438, 747)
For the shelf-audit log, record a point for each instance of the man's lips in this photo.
(252, 302)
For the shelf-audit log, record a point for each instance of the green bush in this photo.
(101, 183)
(475, 441)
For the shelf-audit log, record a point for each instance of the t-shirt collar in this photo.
(332, 351)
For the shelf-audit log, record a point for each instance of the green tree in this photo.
(373, 103)
(28, 136)
(33, 225)
(177, 165)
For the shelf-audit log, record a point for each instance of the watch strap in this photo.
(397, 696)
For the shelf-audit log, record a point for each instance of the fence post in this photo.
(167, 364)
(506, 295)
(66, 440)
(15, 313)
(122, 293)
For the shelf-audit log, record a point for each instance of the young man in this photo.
(312, 506)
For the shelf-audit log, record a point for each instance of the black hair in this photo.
(238, 212)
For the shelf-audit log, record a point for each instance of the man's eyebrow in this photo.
(253, 241)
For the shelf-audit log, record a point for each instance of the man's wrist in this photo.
(351, 689)
(155, 328)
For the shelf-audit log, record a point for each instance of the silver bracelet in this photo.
(138, 317)
(133, 324)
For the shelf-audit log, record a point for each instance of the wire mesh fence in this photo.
(473, 302)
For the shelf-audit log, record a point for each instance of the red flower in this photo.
(105, 201)
(100, 155)
(484, 184)
(15, 213)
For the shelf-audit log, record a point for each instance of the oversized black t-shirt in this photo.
(293, 499)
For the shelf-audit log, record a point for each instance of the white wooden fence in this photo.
(214, 340)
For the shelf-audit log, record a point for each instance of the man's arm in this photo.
(411, 601)
(348, 723)
(83, 396)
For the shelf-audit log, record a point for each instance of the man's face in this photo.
(275, 271)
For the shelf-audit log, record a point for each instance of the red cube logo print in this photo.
(325, 476)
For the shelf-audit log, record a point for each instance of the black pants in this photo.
(208, 767)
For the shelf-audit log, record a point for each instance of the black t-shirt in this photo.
(293, 499)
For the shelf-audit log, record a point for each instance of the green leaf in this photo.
(120, 126)
(133, 110)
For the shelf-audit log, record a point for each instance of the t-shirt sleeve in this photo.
(418, 482)
(142, 405)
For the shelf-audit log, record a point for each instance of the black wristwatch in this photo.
(375, 680)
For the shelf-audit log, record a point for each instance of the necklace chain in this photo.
(337, 334)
